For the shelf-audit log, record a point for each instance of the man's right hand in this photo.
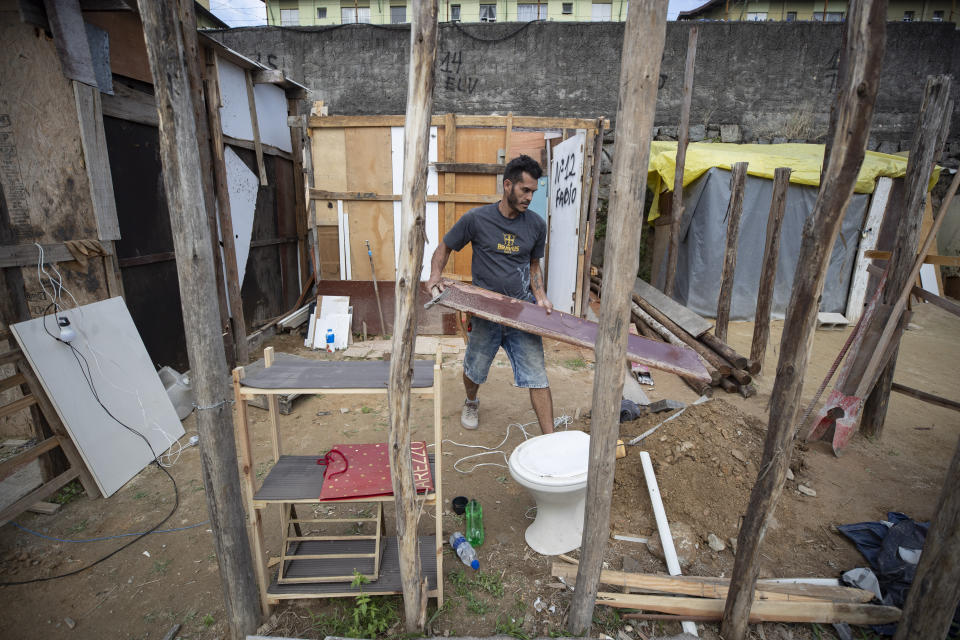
(435, 285)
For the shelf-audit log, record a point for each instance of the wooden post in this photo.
(182, 174)
(643, 40)
(592, 218)
(254, 122)
(683, 138)
(738, 178)
(935, 591)
(212, 91)
(423, 53)
(768, 272)
(865, 45)
(928, 140)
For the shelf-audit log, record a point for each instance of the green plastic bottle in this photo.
(474, 513)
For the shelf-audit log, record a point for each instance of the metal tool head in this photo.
(437, 297)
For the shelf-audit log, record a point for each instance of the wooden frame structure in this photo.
(355, 196)
(318, 586)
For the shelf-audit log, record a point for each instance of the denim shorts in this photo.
(525, 351)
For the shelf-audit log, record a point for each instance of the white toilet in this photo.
(553, 467)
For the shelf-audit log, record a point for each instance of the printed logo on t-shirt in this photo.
(509, 244)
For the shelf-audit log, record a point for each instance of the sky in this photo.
(246, 13)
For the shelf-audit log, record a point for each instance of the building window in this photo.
(908, 16)
(937, 16)
(289, 17)
(531, 12)
(321, 13)
(600, 12)
(455, 13)
(756, 16)
(832, 16)
(567, 8)
(488, 13)
(398, 15)
(352, 15)
(791, 16)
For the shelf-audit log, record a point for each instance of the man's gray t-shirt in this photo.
(502, 248)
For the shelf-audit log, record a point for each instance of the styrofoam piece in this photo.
(330, 305)
(928, 279)
(340, 323)
(234, 109)
(126, 382)
(831, 321)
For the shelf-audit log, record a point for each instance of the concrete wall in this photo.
(774, 80)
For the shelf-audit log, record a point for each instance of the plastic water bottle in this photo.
(467, 554)
(474, 513)
(330, 338)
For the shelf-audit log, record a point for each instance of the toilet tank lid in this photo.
(560, 455)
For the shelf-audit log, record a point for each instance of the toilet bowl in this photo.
(553, 468)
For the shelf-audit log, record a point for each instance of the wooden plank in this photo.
(255, 124)
(738, 177)
(25, 255)
(591, 228)
(449, 181)
(712, 363)
(945, 261)
(689, 321)
(329, 158)
(10, 465)
(369, 196)
(45, 508)
(70, 39)
(706, 587)
(643, 40)
(474, 145)
(924, 396)
(768, 272)
(469, 167)
(17, 405)
(129, 104)
(153, 258)
(38, 494)
(369, 168)
(128, 53)
(760, 610)
(499, 122)
(859, 79)
(265, 148)
(868, 241)
(683, 138)
(933, 596)
(11, 382)
(97, 161)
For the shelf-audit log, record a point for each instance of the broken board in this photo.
(686, 319)
(124, 378)
(566, 328)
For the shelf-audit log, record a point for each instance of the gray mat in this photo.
(389, 581)
(302, 373)
(299, 478)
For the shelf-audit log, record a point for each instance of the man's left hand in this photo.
(546, 304)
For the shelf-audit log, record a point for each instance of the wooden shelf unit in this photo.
(297, 479)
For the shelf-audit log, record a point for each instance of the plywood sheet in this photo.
(329, 157)
(369, 169)
(242, 185)
(475, 145)
(235, 109)
(126, 383)
(128, 51)
(528, 143)
(272, 116)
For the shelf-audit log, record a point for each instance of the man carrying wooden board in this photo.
(508, 242)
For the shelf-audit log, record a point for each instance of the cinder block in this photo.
(730, 133)
(697, 132)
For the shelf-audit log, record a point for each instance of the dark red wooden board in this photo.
(567, 328)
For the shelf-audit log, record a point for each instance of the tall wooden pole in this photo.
(423, 53)
(182, 175)
(935, 591)
(643, 40)
(683, 138)
(768, 273)
(738, 178)
(865, 44)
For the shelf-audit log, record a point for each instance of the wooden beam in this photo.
(860, 75)
(349, 196)
(644, 34)
(70, 40)
(946, 261)
(935, 591)
(470, 167)
(182, 171)
(250, 145)
(768, 272)
(26, 255)
(224, 214)
(760, 611)
(738, 178)
(255, 124)
(449, 179)
(10, 465)
(268, 76)
(423, 53)
(683, 138)
(924, 396)
(94, 142)
(462, 120)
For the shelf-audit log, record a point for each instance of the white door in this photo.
(566, 180)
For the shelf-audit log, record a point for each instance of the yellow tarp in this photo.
(803, 159)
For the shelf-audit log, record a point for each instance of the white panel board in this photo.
(235, 112)
(928, 279)
(242, 185)
(566, 178)
(432, 213)
(272, 116)
(125, 380)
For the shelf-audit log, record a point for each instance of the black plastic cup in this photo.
(460, 505)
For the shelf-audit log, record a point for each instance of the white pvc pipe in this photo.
(663, 527)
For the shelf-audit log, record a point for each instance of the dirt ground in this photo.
(705, 461)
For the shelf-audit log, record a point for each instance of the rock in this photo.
(344, 409)
(807, 491)
(730, 133)
(686, 445)
(733, 545)
(69, 622)
(715, 543)
(697, 132)
(684, 540)
(779, 140)
(790, 475)
(736, 453)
